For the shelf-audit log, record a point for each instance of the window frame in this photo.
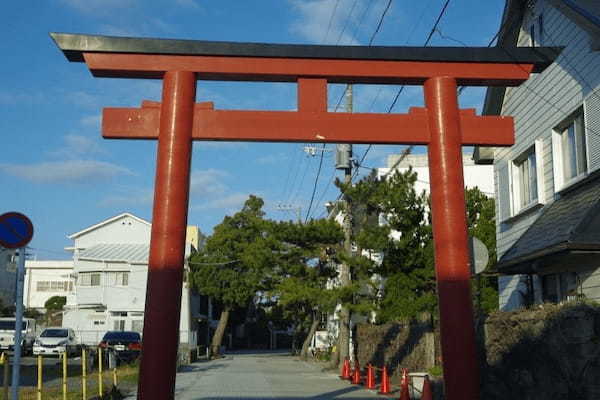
(535, 177)
(563, 150)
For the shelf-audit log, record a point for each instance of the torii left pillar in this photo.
(176, 121)
(169, 222)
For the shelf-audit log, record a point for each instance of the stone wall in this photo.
(407, 345)
(548, 352)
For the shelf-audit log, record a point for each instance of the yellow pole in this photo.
(83, 374)
(65, 375)
(6, 374)
(115, 376)
(100, 389)
(40, 381)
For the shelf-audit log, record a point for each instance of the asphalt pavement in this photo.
(265, 375)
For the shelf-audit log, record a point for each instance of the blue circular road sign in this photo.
(16, 230)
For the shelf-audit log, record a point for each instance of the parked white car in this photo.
(7, 334)
(56, 341)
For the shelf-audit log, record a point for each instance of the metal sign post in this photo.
(176, 121)
(16, 230)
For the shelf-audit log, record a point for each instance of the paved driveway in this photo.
(263, 376)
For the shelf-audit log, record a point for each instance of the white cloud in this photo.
(77, 147)
(93, 121)
(231, 203)
(208, 183)
(272, 159)
(208, 144)
(83, 99)
(315, 22)
(129, 196)
(189, 3)
(21, 98)
(71, 171)
(97, 7)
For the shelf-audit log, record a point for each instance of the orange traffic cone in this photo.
(404, 395)
(346, 370)
(426, 394)
(370, 384)
(385, 382)
(356, 375)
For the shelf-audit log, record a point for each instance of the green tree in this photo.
(482, 225)
(55, 303)
(304, 269)
(234, 263)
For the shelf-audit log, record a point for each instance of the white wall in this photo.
(123, 230)
(41, 273)
(481, 176)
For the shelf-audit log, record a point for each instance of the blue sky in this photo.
(56, 168)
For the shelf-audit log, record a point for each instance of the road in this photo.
(263, 376)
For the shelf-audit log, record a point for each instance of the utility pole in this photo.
(344, 162)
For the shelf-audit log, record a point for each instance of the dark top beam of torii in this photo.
(177, 120)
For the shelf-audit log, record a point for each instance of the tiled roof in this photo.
(569, 222)
(131, 253)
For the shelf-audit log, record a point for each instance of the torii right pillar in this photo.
(461, 372)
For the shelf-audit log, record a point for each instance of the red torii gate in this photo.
(177, 120)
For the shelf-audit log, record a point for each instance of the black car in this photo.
(126, 345)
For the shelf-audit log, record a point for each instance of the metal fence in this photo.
(93, 373)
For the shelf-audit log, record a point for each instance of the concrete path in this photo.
(263, 376)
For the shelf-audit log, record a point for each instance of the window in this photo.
(570, 148)
(118, 278)
(137, 325)
(53, 286)
(526, 171)
(119, 325)
(527, 178)
(89, 279)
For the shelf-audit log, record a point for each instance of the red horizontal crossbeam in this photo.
(302, 126)
(291, 69)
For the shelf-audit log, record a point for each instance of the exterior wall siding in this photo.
(538, 106)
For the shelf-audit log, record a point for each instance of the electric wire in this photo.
(337, 2)
(377, 29)
(401, 89)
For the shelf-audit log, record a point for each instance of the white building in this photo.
(111, 268)
(45, 279)
(548, 232)
(481, 176)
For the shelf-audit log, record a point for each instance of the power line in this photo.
(331, 20)
(312, 197)
(435, 25)
(347, 21)
(377, 29)
(380, 23)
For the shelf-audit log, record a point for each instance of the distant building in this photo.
(45, 279)
(111, 267)
(8, 276)
(481, 176)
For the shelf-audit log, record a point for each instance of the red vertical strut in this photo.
(167, 245)
(461, 372)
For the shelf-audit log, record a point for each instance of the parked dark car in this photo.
(126, 345)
